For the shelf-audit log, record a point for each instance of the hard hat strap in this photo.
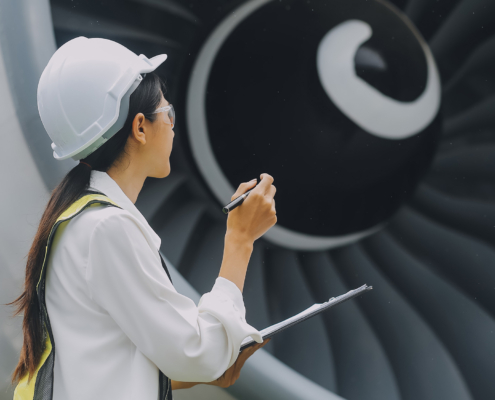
(82, 162)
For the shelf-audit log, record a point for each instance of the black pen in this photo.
(236, 202)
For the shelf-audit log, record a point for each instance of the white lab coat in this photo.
(117, 319)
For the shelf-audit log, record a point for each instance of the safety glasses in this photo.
(168, 114)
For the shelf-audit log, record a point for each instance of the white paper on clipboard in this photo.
(304, 315)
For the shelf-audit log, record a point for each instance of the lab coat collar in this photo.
(102, 182)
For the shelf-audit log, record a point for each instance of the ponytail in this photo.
(145, 99)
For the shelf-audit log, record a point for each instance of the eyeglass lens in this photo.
(171, 115)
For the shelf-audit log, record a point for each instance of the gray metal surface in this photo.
(27, 43)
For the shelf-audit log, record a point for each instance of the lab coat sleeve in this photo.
(186, 342)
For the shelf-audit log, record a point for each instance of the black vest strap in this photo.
(165, 267)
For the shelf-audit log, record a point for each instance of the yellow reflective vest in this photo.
(40, 385)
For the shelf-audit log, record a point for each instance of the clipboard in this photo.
(315, 309)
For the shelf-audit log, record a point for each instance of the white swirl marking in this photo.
(368, 108)
(198, 127)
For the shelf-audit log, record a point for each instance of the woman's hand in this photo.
(245, 224)
(232, 374)
(257, 213)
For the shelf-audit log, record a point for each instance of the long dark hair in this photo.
(145, 99)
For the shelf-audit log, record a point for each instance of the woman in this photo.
(102, 297)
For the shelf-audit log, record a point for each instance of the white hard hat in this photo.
(83, 93)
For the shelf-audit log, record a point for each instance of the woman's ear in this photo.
(139, 128)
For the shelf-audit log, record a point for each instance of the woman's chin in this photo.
(164, 173)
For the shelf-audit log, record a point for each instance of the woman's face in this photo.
(160, 144)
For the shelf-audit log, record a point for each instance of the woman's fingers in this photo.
(243, 188)
(265, 187)
(232, 374)
(251, 350)
(245, 354)
(272, 191)
(266, 182)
